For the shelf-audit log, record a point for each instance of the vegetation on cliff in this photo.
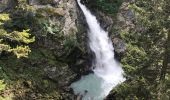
(146, 60)
(36, 56)
(33, 53)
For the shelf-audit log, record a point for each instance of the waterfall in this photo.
(107, 72)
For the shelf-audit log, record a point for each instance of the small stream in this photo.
(108, 73)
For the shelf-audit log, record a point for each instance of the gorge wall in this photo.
(60, 54)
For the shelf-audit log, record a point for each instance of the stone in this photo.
(59, 11)
(106, 22)
(51, 72)
(7, 4)
(3, 4)
(34, 2)
(70, 17)
(130, 14)
(62, 75)
(119, 45)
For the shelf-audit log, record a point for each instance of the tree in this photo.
(12, 40)
(146, 61)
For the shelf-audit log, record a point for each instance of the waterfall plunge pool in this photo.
(91, 87)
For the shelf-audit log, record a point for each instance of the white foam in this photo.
(107, 71)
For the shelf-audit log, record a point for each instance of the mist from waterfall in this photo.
(107, 72)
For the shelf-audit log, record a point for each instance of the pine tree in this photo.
(147, 58)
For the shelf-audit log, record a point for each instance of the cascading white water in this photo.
(107, 72)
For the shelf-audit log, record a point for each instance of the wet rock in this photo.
(80, 62)
(82, 67)
(106, 22)
(111, 96)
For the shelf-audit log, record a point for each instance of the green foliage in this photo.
(134, 58)
(4, 47)
(16, 25)
(106, 6)
(145, 56)
(109, 6)
(2, 85)
(137, 89)
(14, 36)
(4, 17)
(70, 41)
(46, 27)
(23, 36)
(28, 77)
(19, 27)
(21, 51)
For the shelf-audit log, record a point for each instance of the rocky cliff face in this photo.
(71, 50)
(7, 4)
(60, 54)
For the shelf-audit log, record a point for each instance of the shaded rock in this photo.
(51, 72)
(111, 96)
(130, 14)
(3, 5)
(105, 21)
(7, 4)
(82, 67)
(62, 75)
(80, 62)
(119, 48)
(125, 17)
(119, 45)
(131, 1)
(43, 2)
(34, 2)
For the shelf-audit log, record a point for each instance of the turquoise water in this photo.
(92, 84)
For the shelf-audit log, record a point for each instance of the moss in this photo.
(35, 55)
(28, 78)
(40, 54)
